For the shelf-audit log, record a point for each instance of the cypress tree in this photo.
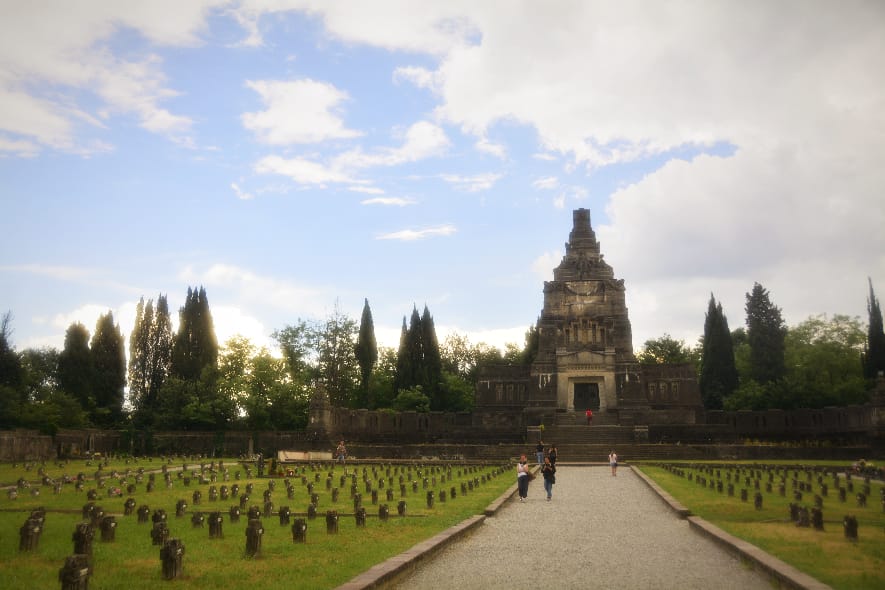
(366, 351)
(403, 361)
(766, 336)
(161, 350)
(719, 376)
(874, 355)
(75, 366)
(139, 354)
(417, 373)
(195, 346)
(207, 342)
(109, 371)
(432, 362)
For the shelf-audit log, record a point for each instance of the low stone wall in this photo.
(25, 445)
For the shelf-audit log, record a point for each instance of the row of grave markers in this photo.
(77, 569)
(711, 477)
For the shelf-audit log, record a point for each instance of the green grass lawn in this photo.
(326, 560)
(826, 555)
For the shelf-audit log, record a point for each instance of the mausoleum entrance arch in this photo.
(584, 392)
(586, 395)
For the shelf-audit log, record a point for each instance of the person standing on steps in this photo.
(539, 452)
(522, 478)
(549, 473)
(613, 461)
(589, 414)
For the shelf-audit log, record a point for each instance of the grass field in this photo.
(132, 562)
(824, 554)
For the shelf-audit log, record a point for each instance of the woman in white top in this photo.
(613, 461)
(522, 478)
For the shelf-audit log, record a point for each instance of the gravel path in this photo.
(598, 532)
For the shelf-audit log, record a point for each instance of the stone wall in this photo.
(25, 445)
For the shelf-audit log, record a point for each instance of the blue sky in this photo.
(291, 156)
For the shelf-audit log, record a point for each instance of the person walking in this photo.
(613, 461)
(522, 478)
(552, 455)
(549, 473)
(539, 453)
(341, 451)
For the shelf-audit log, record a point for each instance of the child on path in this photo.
(613, 461)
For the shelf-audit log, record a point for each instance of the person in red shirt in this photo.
(589, 416)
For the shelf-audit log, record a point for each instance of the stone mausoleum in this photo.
(585, 355)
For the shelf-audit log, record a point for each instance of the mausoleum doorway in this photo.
(586, 396)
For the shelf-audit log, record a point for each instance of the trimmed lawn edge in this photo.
(784, 573)
(401, 565)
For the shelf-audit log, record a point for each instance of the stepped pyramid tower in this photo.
(584, 357)
(585, 342)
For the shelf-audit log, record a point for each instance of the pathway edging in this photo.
(783, 572)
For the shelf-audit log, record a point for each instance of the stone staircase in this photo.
(603, 435)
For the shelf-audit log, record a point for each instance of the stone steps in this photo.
(596, 434)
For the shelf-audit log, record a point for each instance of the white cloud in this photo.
(234, 286)
(49, 55)
(240, 193)
(546, 183)
(420, 77)
(369, 190)
(300, 170)
(475, 183)
(409, 235)
(543, 265)
(391, 24)
(421, 140)
(231, 321)
(298, 111)
(21, 148)
(496, 149)
(395, 201)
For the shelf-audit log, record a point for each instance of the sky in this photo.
(295, 157)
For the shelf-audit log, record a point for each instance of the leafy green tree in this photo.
(766, 333)
(514, 355)
(718, 374)
(822, 369)
(381, 391)
(458, 392)
(874, 354)
(11, 398)
(336, 362)
(324, 352)
(665, 351)
(266, 398)
(10, 364)
(461, 358)
(299, 345)
(366, 351)
(75, 369)
(412, 399)
(194, 405)
(109, 371)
